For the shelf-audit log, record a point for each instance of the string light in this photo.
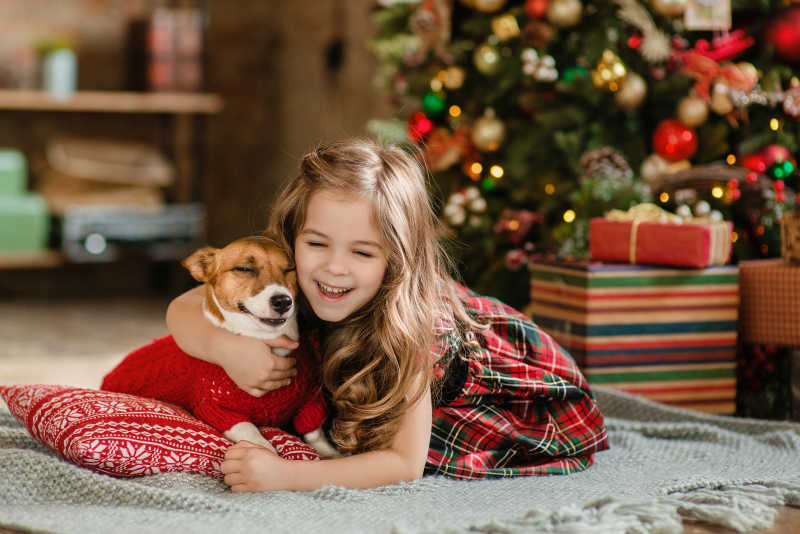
(664, 197)
(436, 85)
(731, 159)
(734, 237)
(569, 216)
(496, 171)
(454, 111)
(476, 169)
(717, 192)
(549, 189)
(774, 124)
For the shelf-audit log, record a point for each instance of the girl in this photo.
(423, 375)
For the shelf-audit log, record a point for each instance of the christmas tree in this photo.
(534, 116)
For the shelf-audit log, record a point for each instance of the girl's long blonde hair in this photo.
(373, 359)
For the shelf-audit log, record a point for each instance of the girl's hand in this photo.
(249, 362)
(248, 467)
(253, 366)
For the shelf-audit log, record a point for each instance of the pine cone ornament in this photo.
(606, 163)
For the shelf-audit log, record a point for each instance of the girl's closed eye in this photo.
(315, 244)
(364, 253)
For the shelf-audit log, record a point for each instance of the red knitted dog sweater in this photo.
(162, 371)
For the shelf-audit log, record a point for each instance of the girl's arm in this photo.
(249, 362)
(248, 467)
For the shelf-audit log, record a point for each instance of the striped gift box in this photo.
(668, 334)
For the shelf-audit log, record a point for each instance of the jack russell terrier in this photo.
(250, 289)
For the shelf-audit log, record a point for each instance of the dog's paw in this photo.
(318, 440)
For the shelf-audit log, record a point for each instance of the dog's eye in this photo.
(290, 269)
(249, 270)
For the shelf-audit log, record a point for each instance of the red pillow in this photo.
(126, 435)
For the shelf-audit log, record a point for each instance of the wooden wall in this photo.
(268, 60)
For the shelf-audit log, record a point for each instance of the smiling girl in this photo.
(423, 375)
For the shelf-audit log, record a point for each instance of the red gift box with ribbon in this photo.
(658, 239)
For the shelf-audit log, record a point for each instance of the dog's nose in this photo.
(281, 303)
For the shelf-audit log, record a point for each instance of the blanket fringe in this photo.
(740, 508)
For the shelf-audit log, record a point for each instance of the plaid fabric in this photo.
(524, 408)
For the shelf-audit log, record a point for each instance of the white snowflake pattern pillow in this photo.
(126, 435)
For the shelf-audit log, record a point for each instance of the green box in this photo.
(13, 172)
(24, 223)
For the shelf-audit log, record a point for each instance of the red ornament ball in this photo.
(783, 33)
(755, 163)
(674, 141)
(536, 9)
(777, 154)
(419, 125)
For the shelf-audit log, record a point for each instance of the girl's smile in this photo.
(339, 255)
(332, 293)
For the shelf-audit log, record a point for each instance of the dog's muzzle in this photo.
(280, 303)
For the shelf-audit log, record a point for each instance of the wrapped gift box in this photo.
(770, 302)
(667, 334)
(790, 237)
(24, 223)
(769, 366)
(690, 244)
(13, 172)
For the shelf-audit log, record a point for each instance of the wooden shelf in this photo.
(182, 130)
(112, 102)
(31, 260)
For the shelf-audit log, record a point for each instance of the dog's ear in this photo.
(202, 264)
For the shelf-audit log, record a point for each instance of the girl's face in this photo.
(339, 255)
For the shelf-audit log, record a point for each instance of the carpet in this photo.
(664, 464)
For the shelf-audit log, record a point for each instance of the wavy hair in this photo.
(372, 359)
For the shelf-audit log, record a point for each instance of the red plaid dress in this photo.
(524, 407)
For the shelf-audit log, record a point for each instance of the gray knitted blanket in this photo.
(663, 464)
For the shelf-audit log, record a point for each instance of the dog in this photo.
(250, 289)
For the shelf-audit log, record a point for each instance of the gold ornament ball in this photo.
(670, 8)
(453, 77)
(487, 59)
(564, 13)
(692, 111)
(487, 6)
(632, 93)
(749, 70)
(721, 102)
(488, 132)
(652, 168)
